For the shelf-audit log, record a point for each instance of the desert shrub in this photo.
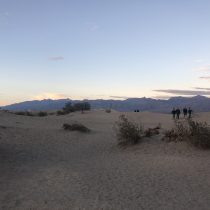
(42, 114)
(25, 113)
(82, 106)
(196, 133)
(76, 127)
(179, 133)
(151, 132)
(199, 134)
(128, 132)
(68, 108)
(20, 113)
(60, 112)
(108, 110)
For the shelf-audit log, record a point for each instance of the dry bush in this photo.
(59, 112)
(25, 113)
(76, 127)
(151, 132)
(199, 134)
(42, 114)
(128, 132)
(196, 133)
(108, 110)
(179, 133)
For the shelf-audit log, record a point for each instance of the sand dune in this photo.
(45, 167)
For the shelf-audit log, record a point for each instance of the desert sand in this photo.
(44, 167)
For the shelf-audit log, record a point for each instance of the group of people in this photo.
(176, 112)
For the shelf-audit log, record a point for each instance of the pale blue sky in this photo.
(103, 48)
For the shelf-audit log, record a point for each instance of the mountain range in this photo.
(197, 103)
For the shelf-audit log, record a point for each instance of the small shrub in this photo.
(42, 114)
(108, 110)
(59, 112)
(151, 132)
(20, 113)
(199, 134)
(25, 113)
(76, 127)
(179, 133)
(196, 133)
(68, 108)
(82, 106)
(128, 132)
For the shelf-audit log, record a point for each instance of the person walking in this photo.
(173, 112)
(177, 113)
(190, 112)
(185, 112)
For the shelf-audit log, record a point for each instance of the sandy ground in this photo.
(45, 167)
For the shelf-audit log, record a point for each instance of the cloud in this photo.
(184, 92)
(161, 97)
(56, 58)
(203, 68)
(50, 96)
(121, 97)
(201, 88)
(205, 77)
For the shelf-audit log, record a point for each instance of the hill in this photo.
(198, 104)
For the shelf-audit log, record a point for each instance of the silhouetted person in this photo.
(177, 113)
(185, 112)
(190, 112)
(173, 112)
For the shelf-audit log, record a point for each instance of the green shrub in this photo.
(76, 127)
(128, 132)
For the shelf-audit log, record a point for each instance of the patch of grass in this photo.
(76, 127)
(128, 132)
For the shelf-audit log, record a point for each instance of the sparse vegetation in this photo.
(128, 132)
(69, 107)
(60, 112)
(76, 127)
(196, 133)
(32, 114)
(42, 114)
(199, 134)
(108, 110)
(179, 133)
(25, 113)
(151, 132)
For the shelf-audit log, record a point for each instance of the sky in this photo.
(88, 49)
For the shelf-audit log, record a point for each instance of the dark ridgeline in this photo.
(199, 104)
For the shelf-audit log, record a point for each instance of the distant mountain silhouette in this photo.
(197, 103)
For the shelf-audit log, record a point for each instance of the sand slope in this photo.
(44, 167)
